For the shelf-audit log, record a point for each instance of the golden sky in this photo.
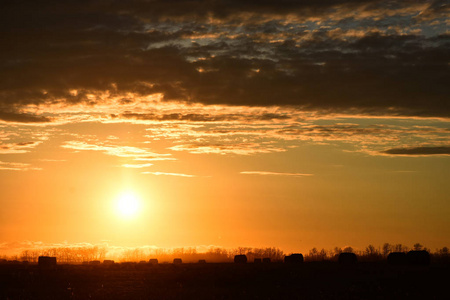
(294, 124)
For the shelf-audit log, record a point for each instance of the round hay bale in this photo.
(47, 262)
(177, 261)
(397, 258)
(418, 257)
(347, 258)
(240, 259)
(295, 258)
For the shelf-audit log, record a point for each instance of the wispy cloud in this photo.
(15, 166)
(114, 150)
(52, 160)
(137, 166)
(21, 147)
(275, 173)
(169, 174)
(238, 148)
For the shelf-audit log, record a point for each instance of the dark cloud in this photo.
(50, 48)
(439, 150)
(22, 118)
(204, 117)
(180, 9)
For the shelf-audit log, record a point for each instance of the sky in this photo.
(294, 124)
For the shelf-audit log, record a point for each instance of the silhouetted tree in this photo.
(337, 250)
(400, 248)
(417, 246)
(348, 250)
(313, 252)
(387, 248)
(323, 254)
(370, 250)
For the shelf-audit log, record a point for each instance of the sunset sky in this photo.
(294, 124)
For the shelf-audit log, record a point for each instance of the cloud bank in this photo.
(373, 57)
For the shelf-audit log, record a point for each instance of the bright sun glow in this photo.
(128, 205)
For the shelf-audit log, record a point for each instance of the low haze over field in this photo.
(231, 123)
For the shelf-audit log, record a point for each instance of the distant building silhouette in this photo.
(418, 257)
(240, 259)
(295, 258)
(94, 263)
(347, 258)
(108, 262)
(153, 261)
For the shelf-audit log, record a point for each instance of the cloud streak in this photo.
(169, 174)
(232, 148)
(114, 150)
(266, 173)
(15, 166)
(418, 151)
(137, 166)
(17, 148)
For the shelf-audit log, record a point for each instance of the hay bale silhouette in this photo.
(266, 260)
(153, 261)
(397, 258)
(240, 259)
(295, 258)
(202, 261)
(94, 263)
(418, 257)
(47, 261)
(257, 260)
(177, 261)
(347, 258)
(108, 262)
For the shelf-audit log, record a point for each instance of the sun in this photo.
(128, 205)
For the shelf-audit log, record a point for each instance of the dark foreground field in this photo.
(226, 281)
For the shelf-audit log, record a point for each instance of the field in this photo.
(313, 280)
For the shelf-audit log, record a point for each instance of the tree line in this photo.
(213, 254)
(372, 253)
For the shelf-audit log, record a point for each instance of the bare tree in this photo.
(348, 249)
(337, 251)
(387, 248)
(370, 250)
(418, 246)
